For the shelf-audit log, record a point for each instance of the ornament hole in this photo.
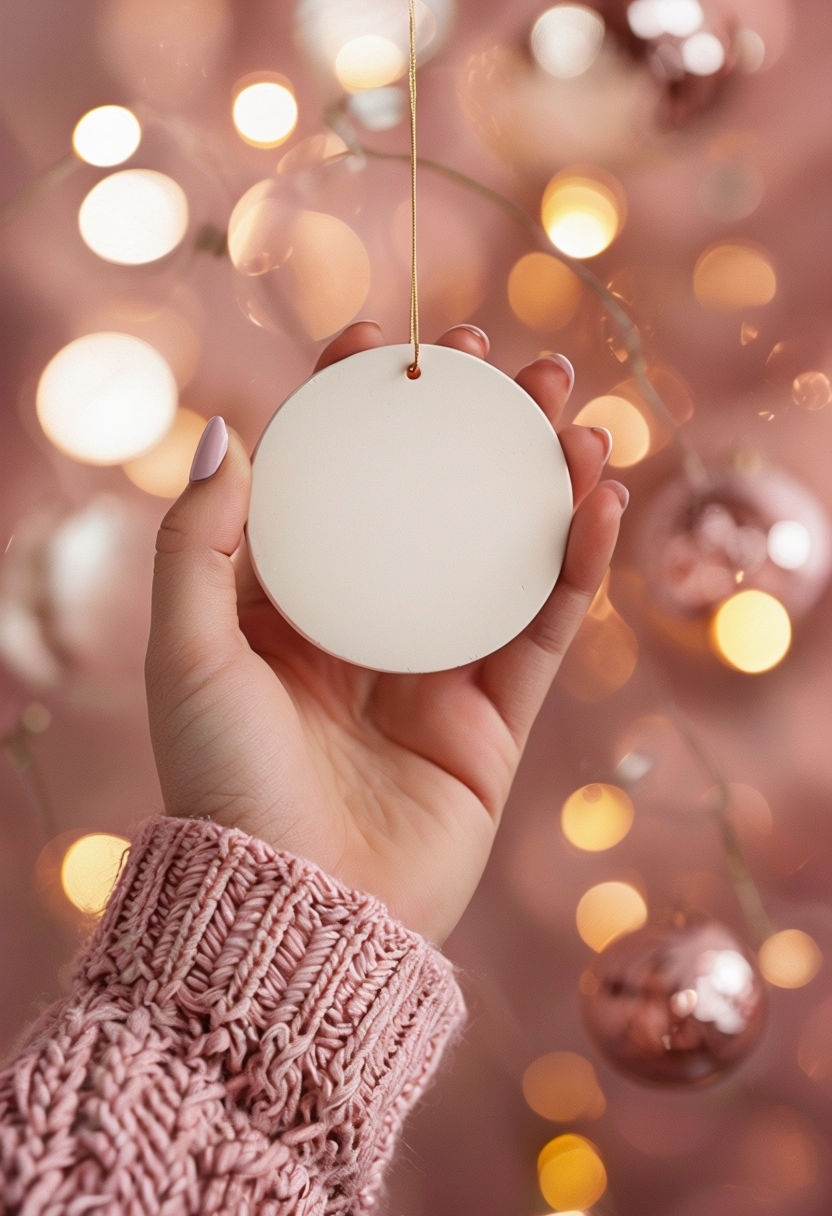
(414, 371)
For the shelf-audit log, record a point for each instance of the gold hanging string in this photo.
(413, 371)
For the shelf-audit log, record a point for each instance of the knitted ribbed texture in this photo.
(244, 1035)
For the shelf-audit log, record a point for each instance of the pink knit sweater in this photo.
(244, 1035)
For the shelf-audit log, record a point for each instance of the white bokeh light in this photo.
(106, 398)
(107, 135)
(789, 544)
(265, 113)
(134, 216)
(567, 39)
(653, 18)
(703, 54)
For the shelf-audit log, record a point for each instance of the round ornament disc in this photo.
(409, 525)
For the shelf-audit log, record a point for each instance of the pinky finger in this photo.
(517, 678)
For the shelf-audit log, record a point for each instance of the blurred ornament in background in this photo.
(681, 1003)
(303, 269)
(749, 528)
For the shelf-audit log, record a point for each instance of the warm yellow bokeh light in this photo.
(582, 215)
(751, 631)
(562, 1086)
(90, 868)
(134, 216)
(265, 113)
(164, 470)
(106, 398)
(596, 817)
(731, 276)
(570, 1173)
(542, 292)
(630, 429)
(369, 62)
(608, 911)
(107, 135)
(790, 958)
(604, 653)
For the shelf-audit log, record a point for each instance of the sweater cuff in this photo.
(324, 1017)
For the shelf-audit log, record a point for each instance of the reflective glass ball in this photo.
(678, 1004)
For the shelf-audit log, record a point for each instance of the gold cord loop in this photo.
(413, 371)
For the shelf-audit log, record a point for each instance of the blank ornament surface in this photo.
(409, 525)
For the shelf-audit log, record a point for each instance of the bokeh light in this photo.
(607, 911)
(106, 398)
(264, 112)
(369, 62)
(789, 544)
(790, 958)
(604, 653)
(563, 1086)
(582, 213)
(650, 19)
(628, 425)
(567, 39)
(751, 631)
(732, 275)
(703, 54)
(782, 1156)
(571, 1173)
(90, 868)
(134, 216)
(107, 135)
(597, 816)
(364, 43)
(543, 293)
(163, 471)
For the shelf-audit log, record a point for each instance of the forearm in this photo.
(243, 1035)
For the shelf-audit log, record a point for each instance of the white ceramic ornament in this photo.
(409, 525)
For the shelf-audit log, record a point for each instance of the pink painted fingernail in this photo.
(563, 362)
(210, 450)
(479, 333)
(606, 438)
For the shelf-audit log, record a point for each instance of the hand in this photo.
(391, 783)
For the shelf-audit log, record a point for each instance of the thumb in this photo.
(194, 604)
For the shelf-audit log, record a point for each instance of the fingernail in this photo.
(621, 492)
(210, 450)
(563, 362)
(479, 333)
(606, 438)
